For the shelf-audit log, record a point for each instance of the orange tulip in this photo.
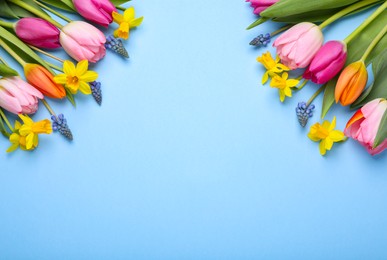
(43, 80)
(351, 83)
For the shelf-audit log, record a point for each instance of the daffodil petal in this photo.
(136, 22)
(60, 79)
(129, 14)
(336, 135)
(82, 67)
(328, 143)
(322, 147)
(89, 76)
(29, 141)
(69, 68)
(84, 88)
(117, 17)
(333, 124)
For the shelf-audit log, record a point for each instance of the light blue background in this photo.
(189, 157)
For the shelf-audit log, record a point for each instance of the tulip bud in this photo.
(297, 46)
(364, 125)
(82, 41)
(98, 11)
(328, 61)
(261, 5)
(18, 97)
(37, 32)
(43, 80)
(351, 83)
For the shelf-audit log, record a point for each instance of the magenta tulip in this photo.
(82, 41)
(364, 125)
(261, 5)
(327, 63)
(297, 46)
(18, 97)
(97, 11)
(37, 32)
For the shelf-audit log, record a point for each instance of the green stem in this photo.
(346, 11)
(4, 62)
(54, 66)
(36, 12)
(6, 120)
(12, 53)
(365, 23)
(373, 43)
(48, 107)
(315, 95)
(280, 30)
(120, 8)
(53, 11)
(46, 53)
(6, 24)
(303, 84)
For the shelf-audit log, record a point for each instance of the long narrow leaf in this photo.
(382, 132)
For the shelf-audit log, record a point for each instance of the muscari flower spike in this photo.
(116, 45)
(304, 112)
(96, 91)
(59, 123)
(261, 40)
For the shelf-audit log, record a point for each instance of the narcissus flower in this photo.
(327, 63)
(98, 11)
(37, 32)
(351, 83)
(82, 41)
(365, 123)
(76, 78)
(17, 96)
(297, 46)
(126, 22)
(43, 80)
(284, 85)
(260, 5)
(272, 66)
(26, 134)
(325, 134)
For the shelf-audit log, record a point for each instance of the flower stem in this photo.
(36, 12)
(365, 23)
(48, 107)
(302, 84)
(46, 53)
(120, 8)
(6, 120)
(280, 30)
(12, 53)
(53, 11)
(6, 24)
(373, 43)
(346, 11)
(315, 95)
(4, 62)
(54, 66)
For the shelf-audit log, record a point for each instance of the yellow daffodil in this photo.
(326, 135)
(76, 78)
(272, 66)
(126, 22)
(16, 139)
(284, 85)
(31, 129)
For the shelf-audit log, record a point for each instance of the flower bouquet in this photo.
(26, 29)
(339, 66)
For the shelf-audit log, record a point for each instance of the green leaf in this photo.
(356, 49)
(382, 131)
(66, 5)
(329, 96)
(119, 2)
(378, 88)
(21, 12)
(6, 11)
(21, 48)
(257, 22)
(2, 128)
(6, 71)
(293, 7)
(70, 97)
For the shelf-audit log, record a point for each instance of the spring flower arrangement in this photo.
(339, 66)
(26, 29)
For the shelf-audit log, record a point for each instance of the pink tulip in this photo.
(328, 61)
(261, 5)
(364, 125)
(297, 46)
(98, 11)
(82, 41)
(18, 97)
(37, 32)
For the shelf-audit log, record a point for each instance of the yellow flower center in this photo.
(72, 80)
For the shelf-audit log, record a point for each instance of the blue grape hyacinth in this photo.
(116, 45)
(261, 40)
(304, 112)
(59, 123)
